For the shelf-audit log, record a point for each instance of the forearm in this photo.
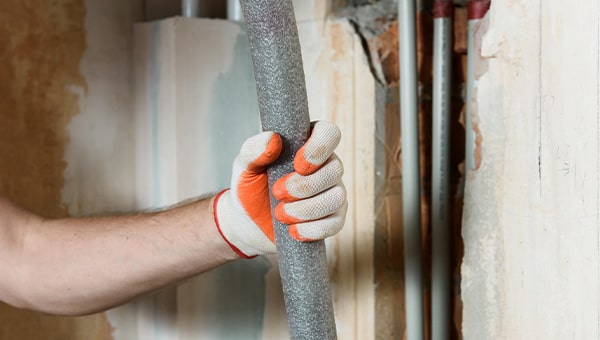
(78, 266)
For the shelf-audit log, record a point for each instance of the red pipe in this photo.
(476, 9)
(443, 9)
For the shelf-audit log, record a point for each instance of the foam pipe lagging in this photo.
(283, 105)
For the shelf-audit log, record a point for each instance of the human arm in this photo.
(77, 266)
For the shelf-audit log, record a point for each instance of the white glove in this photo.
(312, 199)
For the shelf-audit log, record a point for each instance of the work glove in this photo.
(312, 198)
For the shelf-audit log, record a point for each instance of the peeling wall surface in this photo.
(99, 172)
(531, 216)
(43, 45)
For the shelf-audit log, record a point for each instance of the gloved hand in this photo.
(313, 198)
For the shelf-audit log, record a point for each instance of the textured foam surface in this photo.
(281, 88)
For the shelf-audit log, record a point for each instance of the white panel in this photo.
(214, 110)
(195, 105)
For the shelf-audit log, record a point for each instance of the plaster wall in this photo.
(531, 212)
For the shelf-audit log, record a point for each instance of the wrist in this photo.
(221, 222)
(208, 237)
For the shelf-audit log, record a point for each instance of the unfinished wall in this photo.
(43, 44)
(531, 224)
(84, 155)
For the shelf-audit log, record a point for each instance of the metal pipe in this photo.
(442, 75)
(476, 10)
(234, 10)
(411, 192)
(189, 8)
(283, 105)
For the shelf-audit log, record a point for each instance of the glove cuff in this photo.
(219, 228)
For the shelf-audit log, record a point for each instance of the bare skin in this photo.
(77, 266)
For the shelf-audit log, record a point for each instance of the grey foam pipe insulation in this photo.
(283, 106)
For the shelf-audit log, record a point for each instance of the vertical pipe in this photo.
(476, 10)
(189, 8)
(411, 193)
(234, 10)
(442, 73)
(283, 105)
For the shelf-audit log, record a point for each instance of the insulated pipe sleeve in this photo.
(283, 105)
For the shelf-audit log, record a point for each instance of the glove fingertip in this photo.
(302, 165)
(280, 190)
(283, 217)
(319, 147)
(295, 234)
(270, 153)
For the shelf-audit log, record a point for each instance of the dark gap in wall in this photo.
(375, 22)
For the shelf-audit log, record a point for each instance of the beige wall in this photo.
(43, 44)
